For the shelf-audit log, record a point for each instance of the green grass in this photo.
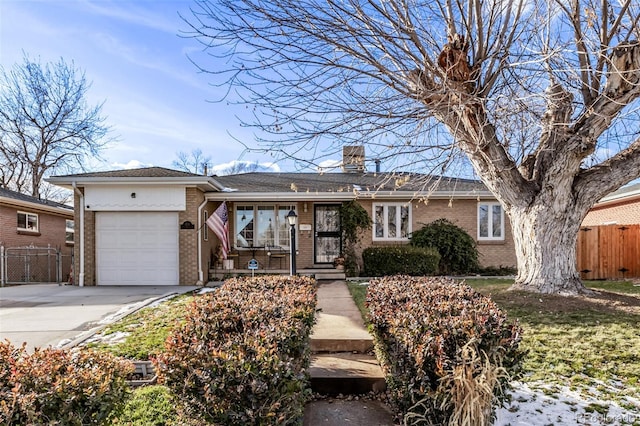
(585, 343)
(359, 294)
(146, 330)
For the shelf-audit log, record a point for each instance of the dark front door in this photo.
(327, 232)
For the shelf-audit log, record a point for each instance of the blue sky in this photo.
(156, 101)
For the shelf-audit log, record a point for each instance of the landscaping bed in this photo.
(253, 332)
(588, 346)
(448, 352)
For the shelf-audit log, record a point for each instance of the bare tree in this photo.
(194, 162)
(237, 167)
(46, 124)
(540, 96)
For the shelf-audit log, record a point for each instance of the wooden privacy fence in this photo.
(609, 252)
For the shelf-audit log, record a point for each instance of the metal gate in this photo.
(26, 265)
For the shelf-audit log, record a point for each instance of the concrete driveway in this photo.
(60, 316)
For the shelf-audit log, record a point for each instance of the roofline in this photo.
(343, 196)
(37, 206)
(201, 181)
(618, 198)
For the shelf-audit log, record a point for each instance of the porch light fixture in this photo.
(292, 218)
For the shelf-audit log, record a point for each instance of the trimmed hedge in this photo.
(53, 386)
(448, 351)
(241, 355)
(400, 260)
(458, 250)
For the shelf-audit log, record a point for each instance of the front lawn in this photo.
(141, 335)
(590, 344)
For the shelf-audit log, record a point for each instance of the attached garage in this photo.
(137, 248)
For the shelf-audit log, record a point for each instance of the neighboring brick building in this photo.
(621, 207)
(27, 221)
(147, 226)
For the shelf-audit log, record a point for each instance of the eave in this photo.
(345, 196)
(618, 199)
(26, 205)
(203, 183)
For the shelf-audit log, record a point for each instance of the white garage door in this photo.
(137, 248)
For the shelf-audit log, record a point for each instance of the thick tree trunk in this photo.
(545, 235)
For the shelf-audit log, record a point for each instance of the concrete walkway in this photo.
(339, 325)
(45, 315)
(342, 363)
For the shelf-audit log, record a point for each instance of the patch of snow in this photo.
(542, 404)
(162, 300)
(63, 342)
(121, 312)
(109, 339)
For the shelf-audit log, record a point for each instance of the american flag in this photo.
(219, 223)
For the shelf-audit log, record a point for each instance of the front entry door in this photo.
(327, 232)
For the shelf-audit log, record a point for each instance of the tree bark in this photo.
(545, 235)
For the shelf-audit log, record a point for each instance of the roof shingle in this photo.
(7, 193)
(344, 182)
(145, 172)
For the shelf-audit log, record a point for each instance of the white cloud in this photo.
(140, 16)
(236, 167)
(132, 164)
(329, 165)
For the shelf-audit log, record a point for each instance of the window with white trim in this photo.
(262, 225)
(27, 221)
(69, 231)
(490, 222)
(391, 221)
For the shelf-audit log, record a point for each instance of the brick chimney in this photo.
(353, 159)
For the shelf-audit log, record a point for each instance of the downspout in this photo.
(200, 225)
(81, 271)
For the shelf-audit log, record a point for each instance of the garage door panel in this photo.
(137, 248)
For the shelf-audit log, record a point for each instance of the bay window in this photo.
(261, 225)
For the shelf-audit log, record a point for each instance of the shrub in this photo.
(53, 386)
(241, 355)
(458, 251)
(405, 260)
(353, 220)
(447, 350)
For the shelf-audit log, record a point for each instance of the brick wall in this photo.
(463, 213)
(624, 213)
(188, 240)
(304, 241)
(89, 244)
(51, 229)
(51, 233)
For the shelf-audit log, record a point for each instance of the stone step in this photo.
(363, 412)
(360, 345)
(345, 373)
(329, 275)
